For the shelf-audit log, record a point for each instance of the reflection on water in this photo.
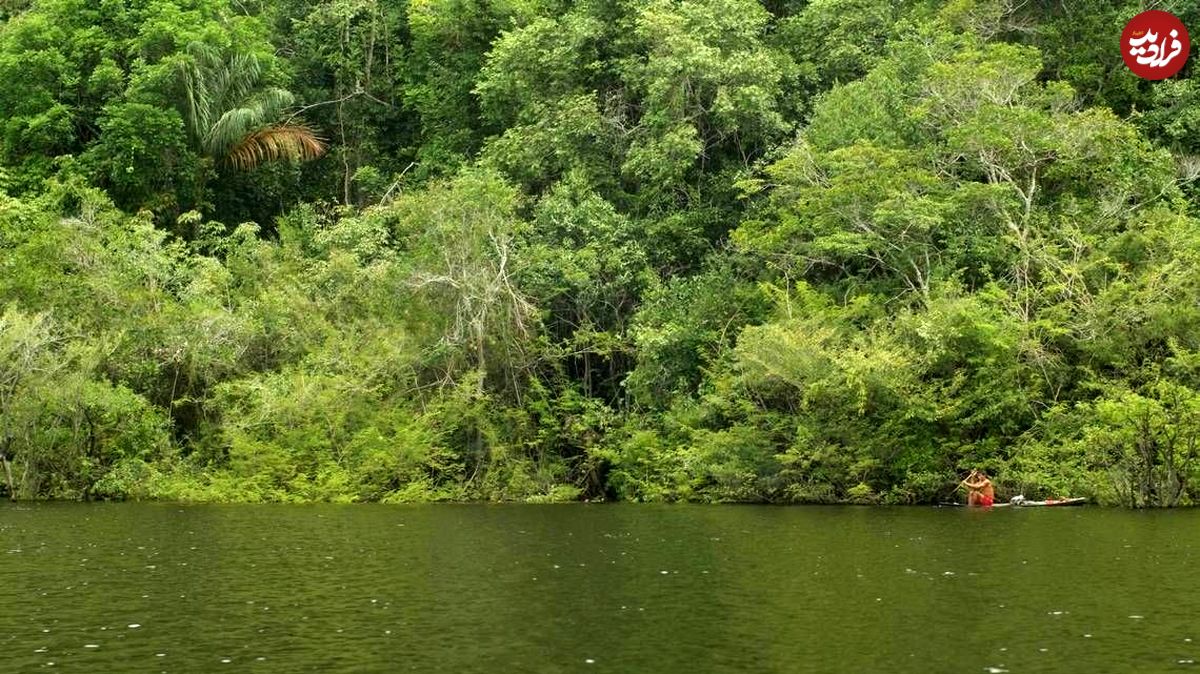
(595, 588)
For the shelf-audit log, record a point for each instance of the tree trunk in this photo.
(12, 493)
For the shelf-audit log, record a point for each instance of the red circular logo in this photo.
(1155, 45)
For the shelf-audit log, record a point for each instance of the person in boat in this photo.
(979, 489)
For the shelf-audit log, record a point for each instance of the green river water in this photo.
(596, 588)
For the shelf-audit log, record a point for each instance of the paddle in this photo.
(962, 483)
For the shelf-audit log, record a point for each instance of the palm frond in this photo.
(216, 83)
(232, 115)
(200, 83)
(237, 122)
(242, 75)
(291, 142)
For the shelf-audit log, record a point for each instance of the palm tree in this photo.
(233, 118)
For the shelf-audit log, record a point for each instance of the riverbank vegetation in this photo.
(350, 250)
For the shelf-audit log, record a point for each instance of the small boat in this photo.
(1021, 502)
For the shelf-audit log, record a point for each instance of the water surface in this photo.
(596, 588)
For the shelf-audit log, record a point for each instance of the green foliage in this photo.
(835, 41)
(449, 43)
(100, 78)
(665, 250)
(64, 431)
(683, 329)
(141, 152)
(641, 104)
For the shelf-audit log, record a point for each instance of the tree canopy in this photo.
(716, 250)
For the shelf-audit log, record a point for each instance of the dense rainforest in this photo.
(548, 250)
